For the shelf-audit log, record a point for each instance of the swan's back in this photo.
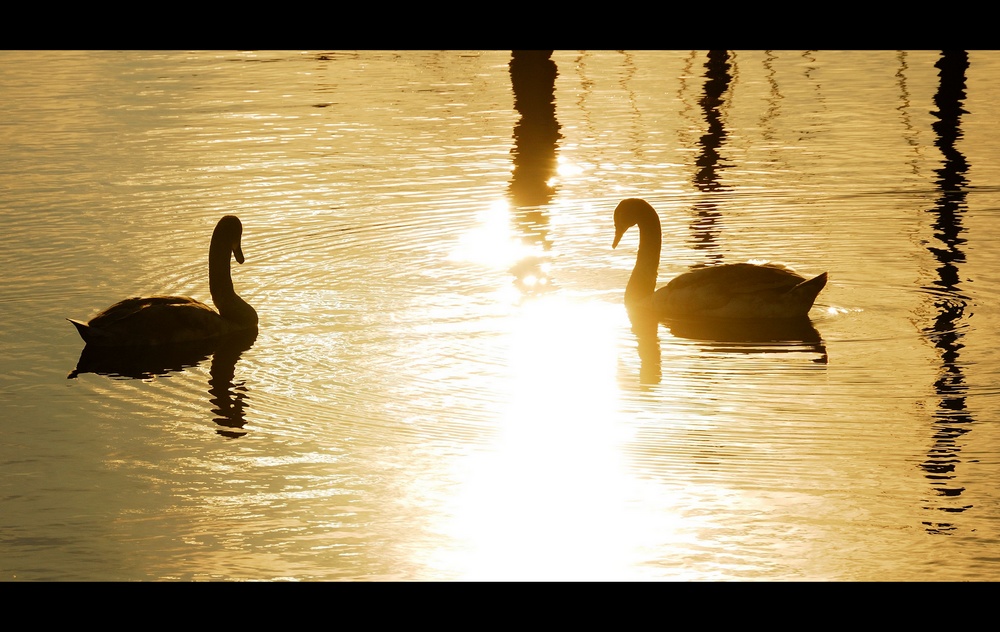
(153, 320)
(739, 290)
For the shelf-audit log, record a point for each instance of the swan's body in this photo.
(160, 320)
(738, 290)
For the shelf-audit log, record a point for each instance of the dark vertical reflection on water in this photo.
(910, 136)
(704, 226)
(774, 99)
(686, 109)
(637, 134)
(708, 163)
(952, 419)
(228, 397)
(647, 333)
(536, 135)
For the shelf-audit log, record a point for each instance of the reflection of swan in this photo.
(738, 290)
(646, 329)
(753, 335)
(158, 320)
(746, 330)
(141, 362)
(147, 361)
(227, 396)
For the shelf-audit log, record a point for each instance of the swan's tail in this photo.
(806, 292)
(83, 328)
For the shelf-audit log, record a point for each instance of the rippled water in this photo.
(445, 384)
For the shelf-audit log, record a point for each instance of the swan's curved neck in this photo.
(642, 283)
(220, 283)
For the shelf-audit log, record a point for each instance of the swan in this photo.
(736, 290)
(163, 320)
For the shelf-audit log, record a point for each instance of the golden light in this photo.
(566, 168)
(554, 479)
(492, 241)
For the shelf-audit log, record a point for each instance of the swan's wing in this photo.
(713, 289)
(155, 320)
(739, 278)
(125, 309)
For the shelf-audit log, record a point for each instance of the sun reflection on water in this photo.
(492, 241)
(554, 479)
(555, 476)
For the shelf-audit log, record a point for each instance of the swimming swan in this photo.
(737, 290)
(160, 320)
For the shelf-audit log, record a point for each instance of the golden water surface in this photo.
(445, 384)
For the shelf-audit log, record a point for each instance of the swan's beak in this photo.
(618, 237)
(238, 252)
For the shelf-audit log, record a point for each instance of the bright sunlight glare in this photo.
(554, 480)
(492, 241)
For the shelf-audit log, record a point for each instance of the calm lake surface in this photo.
(446, 384)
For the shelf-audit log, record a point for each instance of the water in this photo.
(445, 384)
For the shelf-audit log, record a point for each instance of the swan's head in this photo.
(229, 232)
(627, 214)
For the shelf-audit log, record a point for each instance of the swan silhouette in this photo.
(736, 290)
(164, 320)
